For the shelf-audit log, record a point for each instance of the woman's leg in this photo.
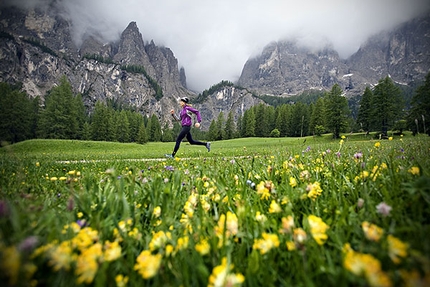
(191, 141)
(184, 132)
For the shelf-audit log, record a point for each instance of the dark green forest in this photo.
(386, 108)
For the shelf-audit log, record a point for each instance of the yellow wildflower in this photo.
(415, 170)
(221, 276)
(87, 264)
(121, 280)
(314, 190)
(156, 212)
(182, 243)
(291, 245)
(85, 237)
(112, 251)
(365, 264)
(265, 244)
(260, 217)
(61, 256)
(159, 240)
(264, 189)
(135, 233)
(274, 207)
(10, 263)
(396, 249)
(203, 247)
(287, 224)
(147, 264)
(169, 249)
(372, 231)
(318, 229)
(299, 235)
(377, 144)
(293, 182)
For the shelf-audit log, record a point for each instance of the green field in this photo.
(252, 212)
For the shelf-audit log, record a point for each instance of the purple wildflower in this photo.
(232, 161)
(338, 154)
(358, 155)
(169, 167)
(383, 209)
(28, 244)
(81, 222)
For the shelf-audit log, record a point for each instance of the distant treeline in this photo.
(63, 115)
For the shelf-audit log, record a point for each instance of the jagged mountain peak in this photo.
(286, 67)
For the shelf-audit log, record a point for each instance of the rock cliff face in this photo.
(36, 49)
(285, 68)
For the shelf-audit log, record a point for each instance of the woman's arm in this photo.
(172, 112)
(196, 112)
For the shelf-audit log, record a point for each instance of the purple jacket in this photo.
(185, 116)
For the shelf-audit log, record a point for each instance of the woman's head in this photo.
(183, 101)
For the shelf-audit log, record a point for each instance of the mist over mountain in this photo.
(285, 67)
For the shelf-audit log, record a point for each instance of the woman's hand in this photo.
(172, 111)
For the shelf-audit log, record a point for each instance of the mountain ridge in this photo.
(37, 48)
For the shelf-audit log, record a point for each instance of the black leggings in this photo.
(185, 132)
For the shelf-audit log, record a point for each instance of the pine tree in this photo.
(86, 132)
(229, 126)
(167, 135)
(155, 129)
(336, 111)
(282, 117)
(213, 131)
(122, 127)
(262, 121)
(142, 136)
(81, 116)
(387, 105)
(99, 125)
(316, 124)
(419, 115)
(220, 127)
(298, 120)
(248, 123)
(16, 115)
(59, 120)
(364, 116)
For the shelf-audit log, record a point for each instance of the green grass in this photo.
(130, 194)
(73, 150)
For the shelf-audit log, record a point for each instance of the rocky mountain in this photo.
(285, 68)
(37, 49)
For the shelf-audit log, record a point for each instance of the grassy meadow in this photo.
(253, 212)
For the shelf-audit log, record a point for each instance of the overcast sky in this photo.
(212, 39)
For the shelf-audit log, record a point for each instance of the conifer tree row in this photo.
(64, 116)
